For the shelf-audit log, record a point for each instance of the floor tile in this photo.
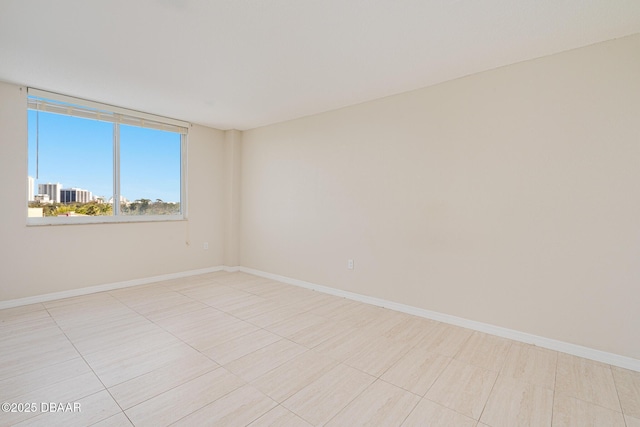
(279, 417)
(93, 409)
(463, 388)
(26, 343)
(143, 341)
(416, 371)
(164, 378)
(195, 324)
(206, 328)
(211, 294)
(312, 300)
(587, 380)
(272, 317)
(258, 363)
(380, 404)
(240, 303)
(295, 324)
(15, 315)
(257, 308)
(91, 308)
(334, 307)
(378, 356)
(113, 371)
(293, 375)
(384, 321)
(138, 293)
(96, 299)
(184, 399)
(78, 331)
(628, 386)
(571, 412)
(29, 382)
(259, 285)
(358, 315)
(8, 313)
(266, 288)
(312, 336)
(443, 339)
(174, 310)
(69, 390)
(484, 351)
(428, 413)
(139, 334)
(238, 277)
(147, 299)
(288, 294)
(238, 347)
(411, 330)
(17, 328)
(322, 399)
(238, 408)
(231, 300)
(515, 403)
(117, 420)
(345, 343)
(214, 334)
(531, 364)
(36, 357)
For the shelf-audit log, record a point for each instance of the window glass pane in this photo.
(149, 171)
(70, 166)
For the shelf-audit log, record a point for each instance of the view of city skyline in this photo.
(78, 154)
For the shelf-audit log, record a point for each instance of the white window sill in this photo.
(83, 220)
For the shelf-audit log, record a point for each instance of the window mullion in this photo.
(183, 175)
(116, 169)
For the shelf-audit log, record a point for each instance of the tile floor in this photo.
(235, 349)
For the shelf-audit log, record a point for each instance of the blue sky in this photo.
(78, 153)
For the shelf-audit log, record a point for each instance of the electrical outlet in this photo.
(205, 246)
(350, 264)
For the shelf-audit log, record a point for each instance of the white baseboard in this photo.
(564, 347)
(109, 287)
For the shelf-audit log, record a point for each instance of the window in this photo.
(90, 163)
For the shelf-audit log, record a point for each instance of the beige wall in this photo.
(231, 205)
(510, 197)
(43, 259)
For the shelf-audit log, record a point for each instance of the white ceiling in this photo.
(247, 63)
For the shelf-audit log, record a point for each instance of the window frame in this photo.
(116, 115)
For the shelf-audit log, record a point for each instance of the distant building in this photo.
(30, 189)
(75, 195)
(123, 200)
(53, 190)
(42, 198)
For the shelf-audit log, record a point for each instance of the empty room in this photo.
(295, 213)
